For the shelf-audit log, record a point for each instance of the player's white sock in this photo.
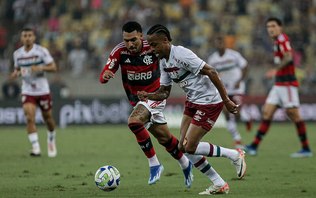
(33, 138)
(203, 165)
(183, 162)
(51, 135)
(215, 177)
(204, 148)
(153, 161)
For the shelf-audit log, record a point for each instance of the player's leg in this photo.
(268, 111)
(170, 142)
(231, 122)
(45, 103)
(231, 126)
(29, 108)
(139, 116)
(291, 104)
(294, 115)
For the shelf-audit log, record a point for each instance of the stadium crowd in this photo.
(80, 34)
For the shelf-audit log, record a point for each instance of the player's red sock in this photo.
(263, 129)
(172, 147)
(301, 132)
(143, 138)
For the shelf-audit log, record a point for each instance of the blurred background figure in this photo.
(11, 89)
(232, 68)
(78, 58)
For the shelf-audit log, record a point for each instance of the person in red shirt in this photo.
(140, 72)
(284, 92)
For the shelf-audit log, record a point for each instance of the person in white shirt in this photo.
(31, 61)
(205, 98)
(232, 68)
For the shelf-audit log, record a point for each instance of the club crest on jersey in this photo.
(148, 60)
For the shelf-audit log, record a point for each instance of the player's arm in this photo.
(213, 75)
(162, 93)
(286, 60)
(244, 73)
(50, 67)
(16, 73)
(106, 75)
(111, 66)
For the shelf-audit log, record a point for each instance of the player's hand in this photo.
(142, 95)
(231, 106)
(237, 85)
(15, 74)
(107, 75)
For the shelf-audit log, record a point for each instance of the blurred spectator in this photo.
(3, 38)
(10, 89)
(58, 88)
(77, 58)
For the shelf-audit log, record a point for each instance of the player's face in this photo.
(158, 44)
(27, 38)
(133, 41)
(273, 29)
(219, 43)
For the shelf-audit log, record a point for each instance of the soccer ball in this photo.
(107, 178)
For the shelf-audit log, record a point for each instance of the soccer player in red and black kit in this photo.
(140, 72)
(284, 93)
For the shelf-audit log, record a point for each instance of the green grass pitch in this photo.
(83, 149)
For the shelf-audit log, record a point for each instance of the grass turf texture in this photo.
(83, 149)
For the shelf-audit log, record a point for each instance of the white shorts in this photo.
(284, 96)
(155, 108)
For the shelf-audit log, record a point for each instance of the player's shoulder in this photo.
(18, 51)
(118, 48)
(180, 51)
(282, 38)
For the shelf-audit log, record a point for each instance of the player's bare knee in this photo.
(134, 120)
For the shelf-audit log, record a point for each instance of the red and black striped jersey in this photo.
(140, 72)
(286, 75)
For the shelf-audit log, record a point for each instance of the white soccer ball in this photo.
(107, 178)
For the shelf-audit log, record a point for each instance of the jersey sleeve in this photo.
(242, 62)
(112, 63)
(284, 44)
(164, 77)
(47, 57)
(191, 61)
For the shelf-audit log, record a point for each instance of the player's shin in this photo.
(144, 141)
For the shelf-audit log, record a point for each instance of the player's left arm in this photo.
(162, 93)
(213, 75)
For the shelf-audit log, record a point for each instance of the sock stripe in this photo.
(218, 153)
(200, 162)
(206, 168)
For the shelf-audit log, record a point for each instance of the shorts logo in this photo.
(211, 122)
(197, 117)
(201, 113)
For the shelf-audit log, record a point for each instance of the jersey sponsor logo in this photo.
(132, 75)
(148, 60)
